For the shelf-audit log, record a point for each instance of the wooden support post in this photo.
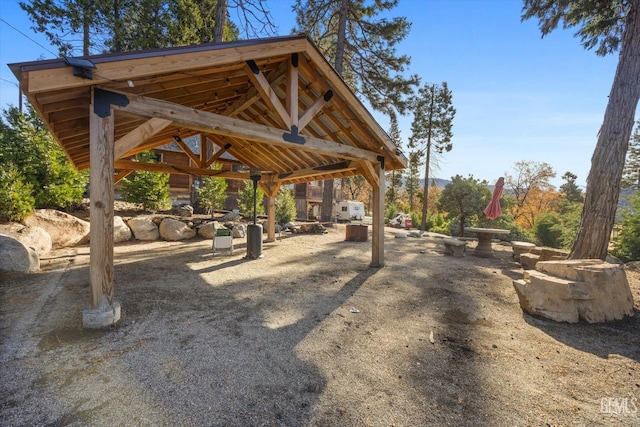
(271, 218)
(271, 190)
(104, 310)
(377, 238)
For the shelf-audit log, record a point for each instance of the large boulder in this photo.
(15, 256)
(239, 231)
(143, 228)
(208, 230)
(570, 290)
(172, 229)
(65, 230)
(121, 231)
(185, 211)
(35, 238)
(230, 216)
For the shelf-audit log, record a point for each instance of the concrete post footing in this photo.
(96, 318)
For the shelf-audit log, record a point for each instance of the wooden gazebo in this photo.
(273, 104)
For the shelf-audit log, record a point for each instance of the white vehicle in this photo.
(401, 220)
(350, 210)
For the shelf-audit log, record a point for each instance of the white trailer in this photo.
(349, 210)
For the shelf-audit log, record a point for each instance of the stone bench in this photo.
(520, 248)
(528, 260)
(455, 247)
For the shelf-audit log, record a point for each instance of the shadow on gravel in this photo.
(621, 337)
(196, 345)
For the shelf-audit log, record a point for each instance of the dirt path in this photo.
(309, 335)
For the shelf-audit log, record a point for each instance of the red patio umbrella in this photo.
(493, 211)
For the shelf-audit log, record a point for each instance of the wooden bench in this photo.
(455, 247)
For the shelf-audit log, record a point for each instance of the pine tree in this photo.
(91, 27)
(631, 172)
(570, 190)
(363, 51)
(245, 200)
(394, 178)
(412, 182)
(609, 26)
(431, 130)
(64, 22)
(285, 206)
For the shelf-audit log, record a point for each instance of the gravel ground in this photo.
(307, 336)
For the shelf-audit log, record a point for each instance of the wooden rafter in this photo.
(292, 90)
(123, 173)
(185, 148)
(138, 136)
(370, 174)
(267, 93)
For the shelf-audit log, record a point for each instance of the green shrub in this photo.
(627, 243)
(25, 142)
(285, 206)
(245, 200)
(390, 211)
(16, 200)
(548, 230)
(438, 223)
(150, 189)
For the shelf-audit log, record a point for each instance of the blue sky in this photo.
(518, 96)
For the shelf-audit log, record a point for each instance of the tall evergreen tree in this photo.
(90, 27)
(412, 182)
(394, 178)
(606, 26)
(431, 130)
(363, 52)
(64, 22)
(631, 172)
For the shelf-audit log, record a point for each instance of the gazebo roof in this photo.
(274, 104)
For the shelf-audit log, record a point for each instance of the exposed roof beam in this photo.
(217, 124)
(184, 170)
(310, 172)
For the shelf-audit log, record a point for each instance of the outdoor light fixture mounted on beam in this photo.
(81, 67)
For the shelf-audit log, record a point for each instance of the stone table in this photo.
(485, 236)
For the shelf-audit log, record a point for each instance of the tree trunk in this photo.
(607, 163)
(221, 19)
(327, 200)
(86, 25)
(117, 27)
(342, 36)
(327, 191)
